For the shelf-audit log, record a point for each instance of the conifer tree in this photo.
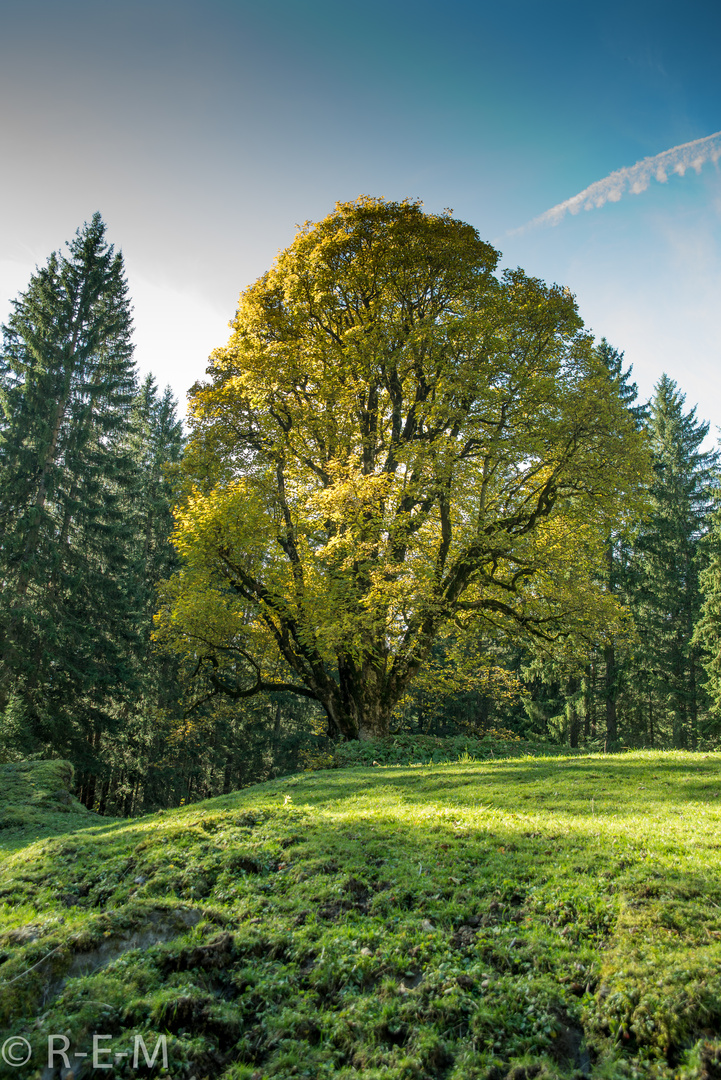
(666, 597)
(130, 750)
(67, 382)
(577, 674)
(617, 551)
(707, 636)
(157, 446)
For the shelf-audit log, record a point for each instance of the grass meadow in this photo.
(524, 917)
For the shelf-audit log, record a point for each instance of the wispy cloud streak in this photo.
(635, 178)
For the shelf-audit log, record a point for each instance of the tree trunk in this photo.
(104, 790)
(693, 726)
(611, 695)
(360, 705)
(574, 720)
(276, 732)
(89, 792)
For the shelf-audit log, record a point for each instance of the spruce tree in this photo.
(617, 550)
(707, 636)
(666, 597)
(157, 445)
(130, 752)
(68, 383)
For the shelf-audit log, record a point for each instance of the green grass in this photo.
(36, 802)
(514, 918)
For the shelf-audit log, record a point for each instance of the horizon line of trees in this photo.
(90, 462)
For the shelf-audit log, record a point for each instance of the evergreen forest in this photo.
(138, 644)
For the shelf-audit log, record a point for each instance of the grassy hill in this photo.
(527, 917)
(36, 801)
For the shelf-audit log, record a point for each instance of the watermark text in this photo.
(17, 1051)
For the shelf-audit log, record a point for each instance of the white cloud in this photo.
(635, 178)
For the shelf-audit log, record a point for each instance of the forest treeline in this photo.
(94, 460)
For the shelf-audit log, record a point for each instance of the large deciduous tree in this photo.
(394, 445)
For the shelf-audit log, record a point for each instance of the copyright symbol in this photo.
(16, 1051)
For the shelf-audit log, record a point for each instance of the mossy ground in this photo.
(516, 918)
(36, 802)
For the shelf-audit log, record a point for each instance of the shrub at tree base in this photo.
(412, 749)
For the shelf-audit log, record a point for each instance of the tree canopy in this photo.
(395, 445)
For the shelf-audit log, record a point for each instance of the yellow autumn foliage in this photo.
(394, 442)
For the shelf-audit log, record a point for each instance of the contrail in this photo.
(634, 178)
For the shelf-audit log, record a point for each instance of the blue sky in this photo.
(205, 132)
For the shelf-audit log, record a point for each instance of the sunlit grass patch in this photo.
(553, 916)
(36, 801)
